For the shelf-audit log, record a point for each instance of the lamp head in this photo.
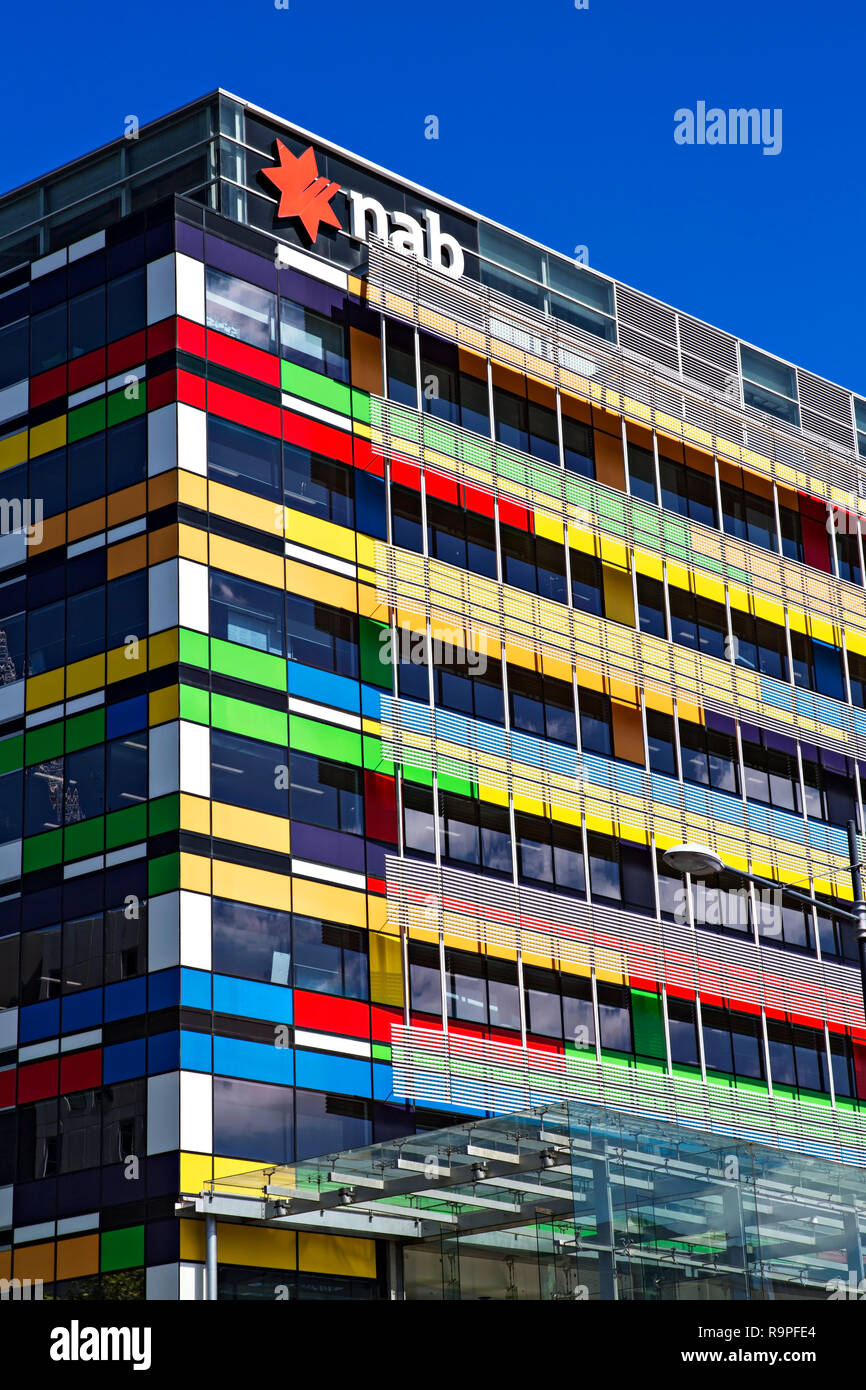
(698, 860)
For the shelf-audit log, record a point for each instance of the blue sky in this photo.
(555, 121)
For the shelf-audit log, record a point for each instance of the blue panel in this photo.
(252, 999)
(125, 999)
(163, 1052)
(317, 1071)
(828, 670)
(195, 988)
(370, 506)
(309, 684)
(776, 694)
(124, 1061)
(195, 1051)
(252, 1060)
(383, 1081)
(39, 1021)
(371, 698)
(126, 717)
(82, 1010)
(163, 989)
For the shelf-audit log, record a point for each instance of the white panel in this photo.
(163, 927)
(78, 249)
(46, 264)
(163, 1113)
(194, 758)
(191, 1282)
(164, 773)
(5, 1207)
(10, 861)
(195, 930)
(290, 257)
(161, 1283)
(13, 549)
(190, 288)
(160, 290)
(162, 595)
(8, 1029)
(196, 1107)
(192, 591)
(14, 400)
(192, 439)
(11, 700)
(161, 440)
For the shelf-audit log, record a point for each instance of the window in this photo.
(327, 794)
(641, 473)
(247, 772)
(459, 686)
(578, 447)
(586, 584)
(541, 705)
(698, 623)
(769, 385)
(48, 339)
(683, 1032)
(85, 624)
(86, 470)
(127, 454)
(688, 492)
(313, 341)
(87, 322)
(240, 310)
(123, 1125)
(732, 1043)
(848, 557)
(321, 636)
(127, 609)
(125, 942)
(533, 564)
(329, 959)
(126, 772)
(759, 645)
(475, 833)
(12, 628)
(40, 965)
(418, 827)
(43, 797)
(661, 745)
(407, 530)
(246, 612)
(331, 1124)
(243, 458)
(614, 1018)
(318, 486)
(595, 722)
(127, 304)
(252, 1120)
(14, 353)
(772, 776)
(400, 362)
(253, 942)
(425, 979)
(709, 757)
(748, 517)
(651, 606)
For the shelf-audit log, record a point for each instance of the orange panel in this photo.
(78, 1257)
(575, 409)
(162, 545)
(35, 1262)
(127, 556)
(697, 459)
(639, 434)
(627, 733)
(609, 467)
(543, 395)
(472, 364)
(84, 521)
(162, 490)
(123, 506)
(366, 359)
(53, 534)
(509, 380)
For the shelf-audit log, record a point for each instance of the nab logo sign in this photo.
(306, 194)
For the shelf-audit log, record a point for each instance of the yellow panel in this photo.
(530, 804)
(709, 588)
(255, 1245)
(581, 540)
(336, 1255)
(796, 619)
(855, 641)
(614, 553)
(739, 598)
(192, 544)
(327, 900)
(496, 795)
(648, 564)
(51, 435)
(386, 970)
(371, 726)
(257, 886)
(163, 705)
(330, 588)
(192, 1240)
(195, 873)
(246, 559)
(552, 666)
(85, 675)
(773, 612)
(547, 526)
(369, 603)
(162, 648)
(257, 512)
(13, 450)
(123, 662)
(251, 828)
(195, 815)
(192, 489)
(618, 595)
(519, 656)
(46, 689)
(605, 827)
(377, 915)
(320, 535)
(693, 713)
(679, 576)
(823, 632)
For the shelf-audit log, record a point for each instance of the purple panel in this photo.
(836, 761)
(327, 847)
(255, 269)
(311, 293)
(376, 859)
(780, 742)
(190, 240)
(720, 723)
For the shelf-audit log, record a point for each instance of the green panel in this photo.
(381, 1052)
(192, 648)
(460, 786)
(84, 838)
(44, 743)
(247, 664)
(126, 827)
(85, 730)
(253, 721)
(374, 756)
(361, 406)
(163, 874)
(648, 1020)
(41, 850)
(194, 704)
(420, 776)
(121, 1249)
(11, 753)
(164, 814)
(312, 386)
(373, 670)
(324, 740)
(121, 408)
(87, 419)
(544, 481)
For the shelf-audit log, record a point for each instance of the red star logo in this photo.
(304, 193)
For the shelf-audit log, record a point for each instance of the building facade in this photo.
(381, 595)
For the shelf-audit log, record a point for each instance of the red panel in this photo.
(368, 457)
(503, 1035)
(476, 500)
(406, 474)
(433, 1025)
(381, 1021)
(127, 352)
(7, 1087)
(161, 390)
(465, 1030)
(816, 550)
(380, 803)
(860, 1068)
(84, 371)
(377, 885)
(37, 1081)
(191, 389)
(80, 1070)
(635, 982)
(48, 386)
(321, 439)
(191, 337)
(162, 337)
(239, 357)
(544, 1045)
(349, 1017)
(512, 515)
(438, 485)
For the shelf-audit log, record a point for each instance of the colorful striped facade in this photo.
(380, 632)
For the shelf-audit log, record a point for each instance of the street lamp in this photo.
(700, 861)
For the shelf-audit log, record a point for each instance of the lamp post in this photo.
(700, 861)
